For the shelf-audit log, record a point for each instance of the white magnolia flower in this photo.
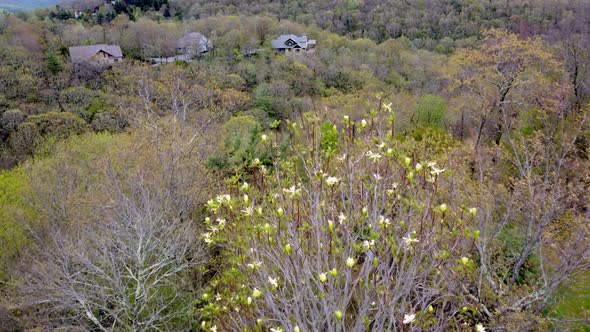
(431, 164)
(213, 328)
(408, 240)
(277, 329)
(341, 218)
(480, 328)
(254, 266)
(377, 177)
(223, 198)
(368, 245)
(373, 156)
(273, 282)
(221, 222)
(409, 318)
(292, 191)
(435, 171)
(381, 145)
(384, 222)
(332, 180)
(248, 211)
(207, 238)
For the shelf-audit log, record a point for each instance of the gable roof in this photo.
(192, 39)
(283, 41)
(83, 53)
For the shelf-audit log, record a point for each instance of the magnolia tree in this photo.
(351, 234)
(359, 231)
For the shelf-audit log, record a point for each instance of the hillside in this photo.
(398, 165)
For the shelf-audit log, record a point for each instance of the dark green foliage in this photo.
(273, 98)
(54, 64)
(345, 82)
(242, 145)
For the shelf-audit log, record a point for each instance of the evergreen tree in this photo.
(54, 64)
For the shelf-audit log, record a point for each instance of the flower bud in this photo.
(334, 272)
(350, 262)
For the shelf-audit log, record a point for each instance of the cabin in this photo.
(96, 54)
(293, 44)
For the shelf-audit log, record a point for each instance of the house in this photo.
(292, 43)
(193, 43)
(96, 54)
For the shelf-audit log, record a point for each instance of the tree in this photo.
(359, 242)
(120, 251)
(54, 64)
(499, 74)
(574, 51)
(430, 111)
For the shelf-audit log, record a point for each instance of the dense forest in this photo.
(424, 168)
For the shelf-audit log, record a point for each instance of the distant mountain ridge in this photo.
(23, 5)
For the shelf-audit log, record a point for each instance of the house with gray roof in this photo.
(96, 54)
(193, 43)
(292, 43)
